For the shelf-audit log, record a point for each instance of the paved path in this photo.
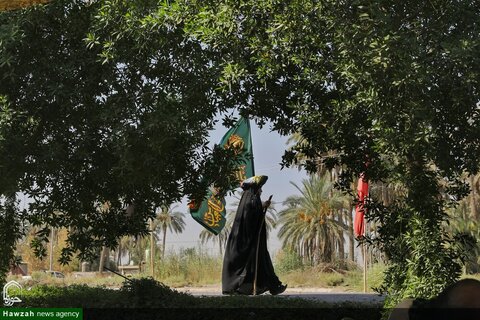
(318, 294)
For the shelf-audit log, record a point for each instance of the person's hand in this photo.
(267, 203)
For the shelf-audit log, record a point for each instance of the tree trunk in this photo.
(317, 251)
(152, 250)
(329, 248)
(52, 238)
(341, 251)
(473, 206)
(341, 241)
(164, 240)
(119, 254)
(385, 194)
(351, 237)
(310, 252)
(103, 257)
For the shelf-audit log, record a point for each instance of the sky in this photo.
(268, 148)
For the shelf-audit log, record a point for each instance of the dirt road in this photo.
(318, 294)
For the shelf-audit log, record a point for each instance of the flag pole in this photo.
(256, 259)
(152, 249)
(364, 267)
(360, 224)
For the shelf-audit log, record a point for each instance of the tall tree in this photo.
(104, 257)
(462, 221)
(309, 225)
(392, 86)
(80, 127)
(300, 159)
(166, 219)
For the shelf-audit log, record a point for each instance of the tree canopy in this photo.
(96, 97)
(98, 143)
(392, 87)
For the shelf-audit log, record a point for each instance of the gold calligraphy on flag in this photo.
(213, 215)
(236, 143)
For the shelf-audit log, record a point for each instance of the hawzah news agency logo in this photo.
(7, 299)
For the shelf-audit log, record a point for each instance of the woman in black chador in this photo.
(247, 267)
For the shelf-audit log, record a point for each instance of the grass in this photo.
(210, 275)
(190, 267)
(147, 298)
(193, 267)
(349, 281)
(354, 279)
(107, 280)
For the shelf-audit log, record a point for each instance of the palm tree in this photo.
(321, 169)
(125, 245)
(461, 221)
(136, 247)
(104, 253)
(309, 225)
(168, 219)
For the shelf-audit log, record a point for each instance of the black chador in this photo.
(247, 267)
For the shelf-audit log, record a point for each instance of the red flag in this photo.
(362, 192)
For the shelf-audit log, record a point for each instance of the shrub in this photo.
(288, 260)
(146, 292)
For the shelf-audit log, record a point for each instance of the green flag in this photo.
(211, 212)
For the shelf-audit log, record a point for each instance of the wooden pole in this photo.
(364, 268)
(152, 248)
(52, 237)
(365, 260)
